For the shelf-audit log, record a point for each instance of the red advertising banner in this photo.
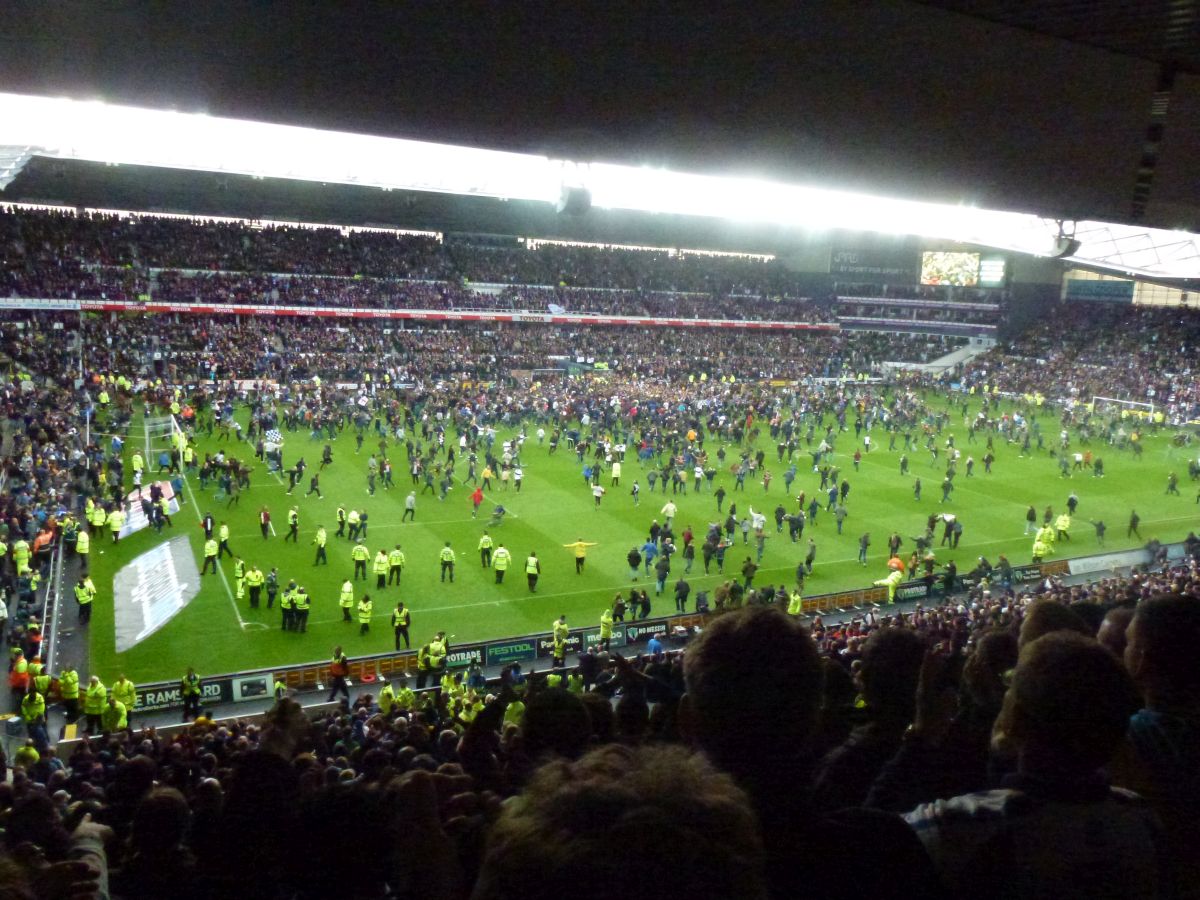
(427, 315)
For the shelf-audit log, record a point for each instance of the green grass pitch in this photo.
(556, 507)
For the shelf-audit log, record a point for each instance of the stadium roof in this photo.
(1160, 31)
(1066, 108)
(120, 135)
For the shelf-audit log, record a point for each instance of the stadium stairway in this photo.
(959, 356)
(945, 363)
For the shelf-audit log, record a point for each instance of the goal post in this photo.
(164, 433)
(548, 376)
(1124, 409)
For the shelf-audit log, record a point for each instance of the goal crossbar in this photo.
(1139, 408)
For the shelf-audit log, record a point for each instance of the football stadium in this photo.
(611, 510)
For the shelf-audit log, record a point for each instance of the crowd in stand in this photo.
(289, 349)
(616, 268)
(915, 314)
(102, 256)
(1084, 350)
(64, 279)
(287, 290)
(149, 241)
(61, 255)
(929, 293)
(34, 238)
(986, 747)
(95, 256)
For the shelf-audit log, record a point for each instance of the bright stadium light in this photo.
(748, 200)
(106, 133)
(98, 132)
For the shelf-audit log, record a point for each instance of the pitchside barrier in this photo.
(65, 746)
(256, 684)
(529, 649)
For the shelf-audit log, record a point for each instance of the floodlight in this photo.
(121, 135)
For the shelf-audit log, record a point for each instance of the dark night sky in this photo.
(892, 96)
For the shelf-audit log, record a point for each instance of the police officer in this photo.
(124, 692)
(360, 554)
(96, 518)
(293, 525)
(380, 568)
(300, 607)
(320, 540)
(93, 704)
(189, 688)
(365, 608)
(396, 563)
(223, 539)
(424, 665)
(438, 649)
(41, 678)
(115, 716)
(210, 556)
(500, 562)
(447, 558)
(485, 549)
(83, 546)
(559, 631)
(401, 619)
(533, 568)
(68, 690)
(606, 628)
(85, 593)
(239, 576)
(387, 698)
(33, 712)
(287, 605)
(346, 599)
(116, 521)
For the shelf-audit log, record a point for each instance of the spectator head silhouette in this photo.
(599, 827)
(753, 680)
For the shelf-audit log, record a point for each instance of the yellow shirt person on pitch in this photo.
(580, 547)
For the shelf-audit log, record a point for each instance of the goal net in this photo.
(548, 376)
(164, 436)
(1121, 409)
(160, 447)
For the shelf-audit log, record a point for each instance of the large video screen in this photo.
(949, 267)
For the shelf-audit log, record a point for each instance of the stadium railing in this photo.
(66, 745)
(52, 608)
